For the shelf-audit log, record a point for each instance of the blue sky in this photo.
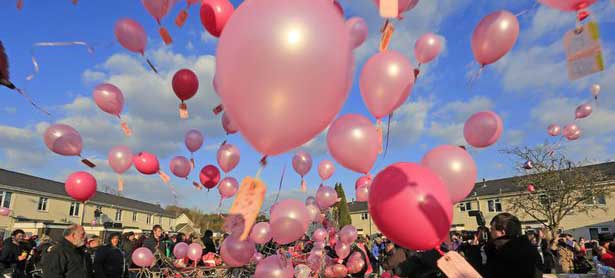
(528, 88)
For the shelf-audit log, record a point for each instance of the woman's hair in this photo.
(18, 231)
(112, 235)
(508, 223)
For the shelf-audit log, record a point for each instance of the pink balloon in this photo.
(329, 272)
(228, 125)
(340, 270)
(120, 159)
(143, 257)
(363, 180)
(455, 167)
(362, 193)
(355, 263)
(353, 142)
(302, 271)
(282, 98)
(180, 166)
(131, 35)
(427, 48)
(494, 36)
(81, 186)
(195, 251)
(326, 169)
(358, 31)
(63, 140)
(386, 81)
(595, 90)
(228, 187)
(572, 132)
(258, 257)
(289, 221)
(568, 5)
(261, 233)
(302, 163)
(109, 98)
(326, 196)
(319, 235)
(348, 234)
(146, 163)
(310, 201)
(342, 249)
(158, 8)
(554, 130)
(483, 129)
(180, 250)
(5, 212)
(314, 262)
(402, 5)
(313, 212)
(414, 193)
(193, 140)
(236, 252)
(274, 267)
(228, 157)
(531, 188)
(583, 111)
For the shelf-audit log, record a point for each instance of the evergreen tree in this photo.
(341, 207)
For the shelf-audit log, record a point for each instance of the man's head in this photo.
(208, 234)
(378, 240)
(93, 242)
(75, 235)
(505, 224)
(18, 235)
(157, 231)
(390, 246)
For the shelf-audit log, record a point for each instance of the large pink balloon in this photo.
(146, 163)
(342, 250)
(353, 142)
(131, 35)
(483, 129)
(276, 90)
(289, 221)
(313, 212)
(572, 132)
(63, 140)
(195, 251)
(554, 130)
(326, 169)
(363, 180)
(427, 48)
(402, 5)
(568, 5)
(494, 36)
(228, 125)
(302, 163)
(358, 31)
(326, 196)
(81, 186)
(236, 252)
(362, 193)
(120, 159)
(415, 194)
(274, 267)
(355, 263)
(261, 233)
(193, 140)
(143, 257)
(158, 8)
(386, 81)
(109, 98)
(455, 167)
(180, 166)
(228, 187)
(348, 234)
(319, 234)
(228, 157)
(583, 111)
(180, 250)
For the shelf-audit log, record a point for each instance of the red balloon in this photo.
(146, 163)
(339, 8)
(210, 176)
(185, 84)
(363, 180)
(81, 186)
(215, 14)
(531, 188)
(568, 5)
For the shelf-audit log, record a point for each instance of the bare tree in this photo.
(561, 186)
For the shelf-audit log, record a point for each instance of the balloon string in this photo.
(440, 251)
(27, 97)
(151, 66)
(474, 77)
(53, 44)
(386, 146)
(379, 132)
(527, 10)
(277, 196)
(262, 163)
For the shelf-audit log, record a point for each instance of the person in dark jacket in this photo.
(109, 260)
(68, 259)
(155, 242)
(509, 253)
(395, 256)
(474, 251)
(208, 242)
(13, 256)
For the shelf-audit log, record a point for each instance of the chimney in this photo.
(484, 183)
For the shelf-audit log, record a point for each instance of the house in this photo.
(183, 224)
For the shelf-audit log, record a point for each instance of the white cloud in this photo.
(408, 122)
(92, 76)
(318, 145)
(513, 136)
(448, 120)
(561, 111)
(9, 110)
(206, 37)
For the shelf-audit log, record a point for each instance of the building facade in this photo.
(40, 205)
(494, 196)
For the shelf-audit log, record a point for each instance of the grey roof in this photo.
(36, 184)
(357, 206)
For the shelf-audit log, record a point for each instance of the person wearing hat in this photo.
(92, 245)
(109, 260)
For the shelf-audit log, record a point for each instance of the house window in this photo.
(494, 205)
(42, 203)
(604, 230)
(134, 216)
(74, 209)
(467, 206)
(148, 220)
(596, 200)
(5, 199)
(364, 216)
(118, 215)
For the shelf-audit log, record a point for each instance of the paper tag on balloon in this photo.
(75, 2)
(455, 266)
(164, 177)
(183, 111)
(583, 51)
(19, 4)
(248, 202)
(389, 8)
(197, 185)
(303, 185)
(166, 37)
(120, 184)
(218, 109)
(191, 163)
(126, 129)
(387, 32)
(88, 163)
(181, 18)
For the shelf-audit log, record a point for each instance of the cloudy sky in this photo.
(529, 88)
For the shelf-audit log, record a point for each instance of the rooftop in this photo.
(31, 183)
